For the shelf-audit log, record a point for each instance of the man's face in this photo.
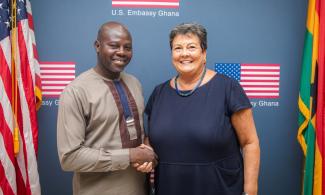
(114, 50)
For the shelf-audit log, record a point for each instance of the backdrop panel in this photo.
(245, 32)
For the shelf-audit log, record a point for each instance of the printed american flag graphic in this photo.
(55, 76)
(258, 80)
(145, 3)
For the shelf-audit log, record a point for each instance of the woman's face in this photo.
(187, 54)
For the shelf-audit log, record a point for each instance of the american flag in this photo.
(258, 80)
(55, 76)
(20, 94)
(146, 3)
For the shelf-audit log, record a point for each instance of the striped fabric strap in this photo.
(124, 100)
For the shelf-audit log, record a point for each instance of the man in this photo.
(100, 122)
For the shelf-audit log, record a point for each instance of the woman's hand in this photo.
(145, 167)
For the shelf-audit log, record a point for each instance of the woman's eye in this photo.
(192, 48)
(177, 49)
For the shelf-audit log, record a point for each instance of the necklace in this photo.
(185, 94)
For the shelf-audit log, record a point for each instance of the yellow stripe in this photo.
(310, 15)
(317, 172)
(301, 138)
(315, 46)
(306, 113)
(38, 94)
(303, 108)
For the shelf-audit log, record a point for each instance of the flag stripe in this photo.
(5, 184)
(55, 81)
(5, 75)
(147, 0)
(320, 118)
(23, 176)
(252, 83)
(28, 106)
(310, 134)
(7, 172)
(145, 6)
(146, 3)
(63, 72)
(55, 76)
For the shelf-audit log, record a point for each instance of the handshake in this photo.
(143, 158)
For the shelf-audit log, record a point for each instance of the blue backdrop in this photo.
(241, 31)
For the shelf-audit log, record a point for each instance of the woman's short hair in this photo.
(189, 28)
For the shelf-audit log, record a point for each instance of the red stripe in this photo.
(21, 186)
(320, 112)
(58, 74)
(57, 79)
(38, 81)
(260, 70)
(57, 68)
(23, 58)
(146, 6)
(57, 63)
(28, 85)
(35, 52)
(266, 97)
(264, 86)
(8, 142)
(52, 96)
(171, 1)
(58, 84)
(53, 90)
(274, 65)
(5, 75)
(8, 139)
(260, 75)
(7, 136)
(30, 21)
(4, 184)
(260, 81)
(261, 91)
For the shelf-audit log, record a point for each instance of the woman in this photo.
(201, 125)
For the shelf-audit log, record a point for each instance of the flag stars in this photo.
(7, 23)
(232, 70)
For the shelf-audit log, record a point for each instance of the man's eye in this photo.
(113, 46)
(128, 48)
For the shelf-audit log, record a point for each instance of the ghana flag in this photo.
(311, 101)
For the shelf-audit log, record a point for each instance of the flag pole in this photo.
(14, 74)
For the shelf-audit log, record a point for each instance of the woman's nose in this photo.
(185, 52)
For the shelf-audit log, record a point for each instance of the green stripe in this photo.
(309, 132)
(306, 69)
(310, 159)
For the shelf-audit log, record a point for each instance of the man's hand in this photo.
(142, 154)
(146, 166)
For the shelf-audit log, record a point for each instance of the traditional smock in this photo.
(92, 137)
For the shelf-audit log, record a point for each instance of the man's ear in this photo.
(96, 45)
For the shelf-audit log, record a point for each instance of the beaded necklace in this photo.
(185, 94)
